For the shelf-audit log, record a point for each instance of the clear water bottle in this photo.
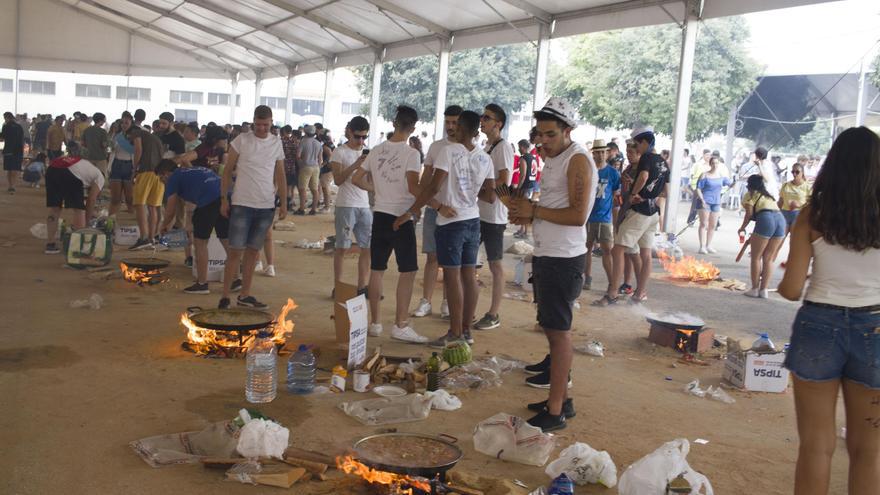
(261, 357)
(301, 371)
(763, 344)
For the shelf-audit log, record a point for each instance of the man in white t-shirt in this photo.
(568, 189)
(352, 215)
(493, 217)
(462, 174)
(391, 171)
(429, 220)
(256, 159)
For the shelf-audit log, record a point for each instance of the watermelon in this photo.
(457, 353)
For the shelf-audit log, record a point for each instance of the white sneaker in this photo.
(407, 334)
(258, 267)
(752, 293)
(375, 330)
(711, 250)
(424, 308)
(444, 310)
(764, 294)
(703, 251)
(270, 271)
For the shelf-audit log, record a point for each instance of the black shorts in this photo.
(12, 162)
(557, 283)
(207, 219)
(63, 189)
(385, 239)
(492, 235)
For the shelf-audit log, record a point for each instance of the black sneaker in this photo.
(197, 288)
(567, 407)
(188, 261)
(534, 369)
(250, 302)
(141, 244)
(466, 335)
(236, 285)
(299, 212)
(224, 303)
(543, 380)
(548, 422)
(52, 248)
(625, 289)
(488, 322)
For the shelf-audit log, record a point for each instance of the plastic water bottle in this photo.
(763, 344)
(261, 357)
(301, 371)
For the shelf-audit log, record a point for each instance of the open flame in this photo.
(689, 268)
(142, 277)
(348, 465)
(684, 339)
(205, 341)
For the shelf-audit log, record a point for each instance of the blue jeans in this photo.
(458, 243)
(248, 226)
(829, 344)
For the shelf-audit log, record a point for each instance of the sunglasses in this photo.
(795, 172)
(487, 117)
(360, 136)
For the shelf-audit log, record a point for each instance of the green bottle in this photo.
(433, 369)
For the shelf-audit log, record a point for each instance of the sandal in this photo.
(605, 301)
(638, 300)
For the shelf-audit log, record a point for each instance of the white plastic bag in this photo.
(650, 474)
(584, 464)
(95, 301)
(262, 438)
(443, 400)
(40, 231)
(510, 438)
(389, 410)
(593, 348)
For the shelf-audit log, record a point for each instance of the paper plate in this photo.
(389, 391)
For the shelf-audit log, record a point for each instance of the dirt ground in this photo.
(79, 385)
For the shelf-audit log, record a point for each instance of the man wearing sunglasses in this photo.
(353, 215)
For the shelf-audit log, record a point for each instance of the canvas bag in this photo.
(85, 248)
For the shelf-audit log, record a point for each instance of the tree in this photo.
(500, 74)
(875, 76)
(626, 77)
(816, 141)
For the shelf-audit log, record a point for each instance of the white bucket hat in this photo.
(562, 110)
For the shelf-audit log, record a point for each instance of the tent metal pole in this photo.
(288, 97)
(258, 86)
(682, 103)
(861, 107)
(540, 91)
(17, 54)
(442, 79)
(232, 95)
(328, 82)
(731, 136)
(374, 99)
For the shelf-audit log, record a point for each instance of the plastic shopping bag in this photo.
(584, 464)
(510, 438)
(651, 474)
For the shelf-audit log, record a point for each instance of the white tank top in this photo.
(562, 241)
(843, 277)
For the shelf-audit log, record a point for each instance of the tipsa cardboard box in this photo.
(756, 372)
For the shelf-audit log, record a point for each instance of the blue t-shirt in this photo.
(711, 188)
(609, 182)
(196, 185)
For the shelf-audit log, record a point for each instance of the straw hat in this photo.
(599, 145)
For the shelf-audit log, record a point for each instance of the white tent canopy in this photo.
(218, 38)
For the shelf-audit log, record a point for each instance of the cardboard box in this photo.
(756, 372)
(342, 293)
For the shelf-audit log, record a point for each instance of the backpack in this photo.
(88, 247)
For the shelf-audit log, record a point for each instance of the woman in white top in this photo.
(836, 335)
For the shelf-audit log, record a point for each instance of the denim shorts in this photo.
(711, 208)
(248, 226)
(769, 223)
(458, 243)
(790, 216)
(429, 225)
(833, 343)
(353, 220)
(557, 283)
(120, 170)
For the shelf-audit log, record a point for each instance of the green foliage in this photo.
(501, 74)
(816, 141)
(621, 78)
(875, 76)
